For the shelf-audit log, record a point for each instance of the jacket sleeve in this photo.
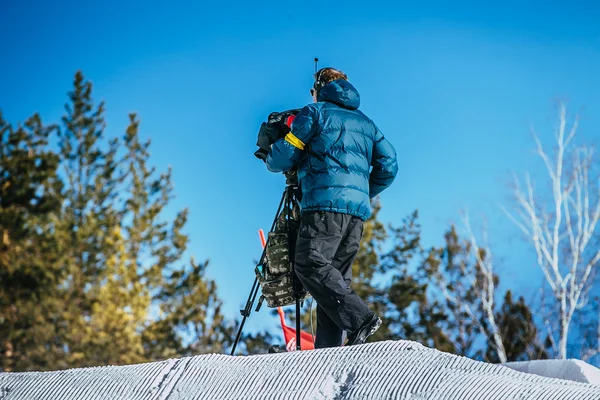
(385, 165)
(286, 152)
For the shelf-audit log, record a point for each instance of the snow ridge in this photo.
(381, 370)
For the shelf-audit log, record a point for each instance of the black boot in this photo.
(277, 349)
(366, 330)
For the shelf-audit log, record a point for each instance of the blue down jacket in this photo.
(333, 146)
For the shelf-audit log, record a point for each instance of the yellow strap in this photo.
(294, 141)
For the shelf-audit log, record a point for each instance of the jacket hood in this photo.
(340, 92)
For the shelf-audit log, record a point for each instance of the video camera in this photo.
(277, 126)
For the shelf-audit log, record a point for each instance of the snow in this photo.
(572, 369)
(380, 370)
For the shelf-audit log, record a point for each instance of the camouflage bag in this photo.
(276, 274)
(278, 254)
(279, 292)
(281, 240)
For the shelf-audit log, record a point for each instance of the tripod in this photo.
(290, 196)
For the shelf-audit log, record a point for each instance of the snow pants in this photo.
(326, 247)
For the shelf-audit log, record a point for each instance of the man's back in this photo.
(341, 146)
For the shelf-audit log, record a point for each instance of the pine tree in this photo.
(190, 320)
(29, 267)
(401, 292)
(467, 327)
(125, 287)
(412, 315)
(88, 220)
(189, 317)
(447, 268)
(112, 332)
(92, 268)
(518, 331)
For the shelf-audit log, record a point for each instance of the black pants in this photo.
(326, 247)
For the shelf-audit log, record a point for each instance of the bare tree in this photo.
(486, 287)
(560, 227)
(471, 290)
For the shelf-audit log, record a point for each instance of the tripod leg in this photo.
(256, 286)
(246, 312)
(295, 282)
(298, 346)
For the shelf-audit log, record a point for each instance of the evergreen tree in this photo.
(29, 264)
(124, 253)
(449, 270)
(89, 220)
(400, 291)
(92, 271)
(189, 310)
(518, 331)
(412, 315)
(190, 320)
(112, 331)
(458, 275)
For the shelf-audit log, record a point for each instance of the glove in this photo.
(268, 134)
(274, 129)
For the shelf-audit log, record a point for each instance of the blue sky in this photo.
(454, 86)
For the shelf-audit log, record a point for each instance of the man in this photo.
(333, 146)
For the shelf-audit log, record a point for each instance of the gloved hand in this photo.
(268, 134)
(274, 129)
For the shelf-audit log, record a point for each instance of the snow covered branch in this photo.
(561, 226)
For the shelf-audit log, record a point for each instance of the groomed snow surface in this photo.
(381, 370)
(573, 369)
